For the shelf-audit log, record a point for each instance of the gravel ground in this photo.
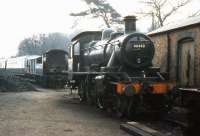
(15, 84)
(52, 113)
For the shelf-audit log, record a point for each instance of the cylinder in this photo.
(130, 24)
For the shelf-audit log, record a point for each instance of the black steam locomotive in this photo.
(114, 71)
(55, 67)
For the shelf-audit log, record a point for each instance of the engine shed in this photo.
(177, 51)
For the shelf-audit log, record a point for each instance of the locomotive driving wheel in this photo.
(81, 91)
(130, 110)
(99, 102)
(132, 107)
(88, 90)
(88, 96)
(120, 106)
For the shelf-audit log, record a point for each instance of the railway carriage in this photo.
(50, 69)
(19, 65)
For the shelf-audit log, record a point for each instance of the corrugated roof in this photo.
(176, 25)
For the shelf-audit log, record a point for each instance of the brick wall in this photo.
(160, 57)
(161, 47)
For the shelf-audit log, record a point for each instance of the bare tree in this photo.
(197, 13)
(100, 8)
(161, 10)
(38, 44)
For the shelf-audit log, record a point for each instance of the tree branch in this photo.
(174, 9)
(82, 13)
(197, 13)
(157, 13)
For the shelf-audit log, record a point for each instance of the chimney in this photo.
(130, 24)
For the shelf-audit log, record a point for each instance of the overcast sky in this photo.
(22, 18)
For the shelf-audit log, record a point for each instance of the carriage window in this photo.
(77, 49)
(70, 50)
(39, 60)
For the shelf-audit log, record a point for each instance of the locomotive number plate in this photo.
(139, 46)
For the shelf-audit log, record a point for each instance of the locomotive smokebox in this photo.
(130, 24)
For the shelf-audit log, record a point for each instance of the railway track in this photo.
(177, 116)
(138, 129)
(157, 128)
(173, 124)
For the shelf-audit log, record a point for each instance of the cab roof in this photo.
(77, 36)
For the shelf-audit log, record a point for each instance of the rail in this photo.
(138, 129)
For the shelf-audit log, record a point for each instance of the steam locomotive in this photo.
(49, 69)
(55, 67)
(114, 71)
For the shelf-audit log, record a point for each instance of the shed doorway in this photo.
(186, 54)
